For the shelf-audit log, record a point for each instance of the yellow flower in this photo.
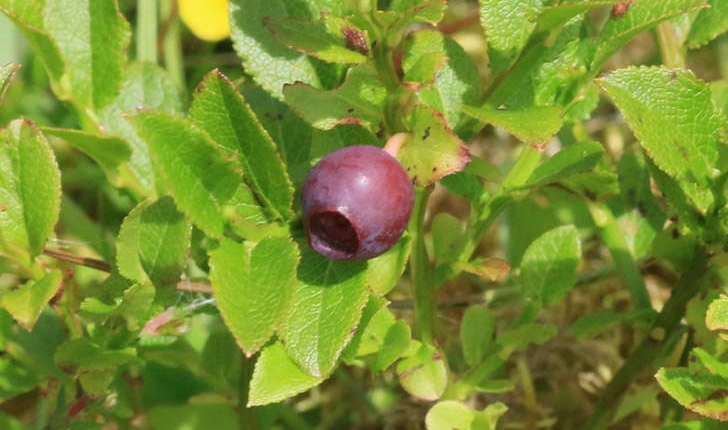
(207, 19)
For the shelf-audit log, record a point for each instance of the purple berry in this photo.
(356, 203)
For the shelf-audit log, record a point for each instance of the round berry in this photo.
(356, 203)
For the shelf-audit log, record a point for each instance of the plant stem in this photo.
(646, 355)
(172, 46)
(519, 174)
(248, 415)
(671, 45)
(420, 270)
(146, 30)
(614, 239)
(75, 259)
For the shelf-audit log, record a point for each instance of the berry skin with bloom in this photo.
(357, 202)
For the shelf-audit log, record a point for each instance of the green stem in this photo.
(646, 356)
(519, 174)
(146, 30)
(614, 239)
(172, 46)
(248, 415)
(671, 47)
(420, 270)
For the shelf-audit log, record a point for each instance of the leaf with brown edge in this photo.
(331, 38)
(431, 150)
(491, 269)
(359, 100)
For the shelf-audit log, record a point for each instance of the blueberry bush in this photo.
(563, 264)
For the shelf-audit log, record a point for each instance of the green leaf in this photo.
(447, 238)
(534, 126)
(7, 73)
(136, 306)
(153, 242)
(495, 386)
(291, 134)
(328, 302)
(569, 161)
(673, 117)
(359, 100)
(219, 109)
(15, 380)
(384, 271)
(202, 182)
(271, 63)
(592, 324)
(456, 83)
(409, 11)
(431, 150)
(551, 74)
(476, 333)
(30, 189)
(553, 16)
(701, 389)
(145, 86)
(548, 268)
(376, 321)
(109, 152)
(424, 374)
(94, 365)
(520, 337)
(277, 377)
(83, 354)
(253, 287)
(716, 317)
(92, 37)
(508, 26)
(28, 16)
(449, 415)
(26, 303)
(452, 415)
(220, 416)
(634, 401)
(325, 141)
(332, 39)
(466, 183)
(709, 24)
(641, 15)
(395, 343)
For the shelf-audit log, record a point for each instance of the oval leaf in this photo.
(277, 377)
(534, 125)
(253, 287)
(26, 303)
(431, 150)
(152, 243)
(219, 109)
(328, 303)
(359, 100)
(271, 63)
(202, 182)
(672, 115)
(424, 374)
(331, 39)
(548, 268)
(30, 188)
(7, 73)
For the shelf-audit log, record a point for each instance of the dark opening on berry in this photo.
(357, 202)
